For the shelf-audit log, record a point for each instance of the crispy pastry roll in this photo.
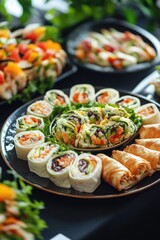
(25, 141)
(149, 112)
(138, 166)
(27, 122)
(58, 168)
(151, 156)
(56, 97)
(151, 143)
(107, 95)
(150, 131)
(39, 156)
(85, 173)
(116, 174)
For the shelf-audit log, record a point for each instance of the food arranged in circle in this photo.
(113, 48)
(28, 54)
(67, 144)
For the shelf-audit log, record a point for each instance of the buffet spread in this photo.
(27, 55)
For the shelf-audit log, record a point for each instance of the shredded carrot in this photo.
(65, 137)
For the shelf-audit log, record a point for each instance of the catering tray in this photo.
(79, 33)
(21, 166)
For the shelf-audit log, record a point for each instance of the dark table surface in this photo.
(135, 216)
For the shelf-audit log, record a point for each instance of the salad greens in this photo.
(34, 87)
(28, 211)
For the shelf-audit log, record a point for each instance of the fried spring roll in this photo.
(138, 166)
(150, 131)
(151, 143)
(151, 156)
(115, 173)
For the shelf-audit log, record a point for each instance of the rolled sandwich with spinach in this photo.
(94, 114)
(39, 156)
(91, 136)
(109, 111)
(76, 118)
(119, 129)
(85, 173)
(65, 131)
(58, 168)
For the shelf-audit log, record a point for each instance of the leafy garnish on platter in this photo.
(24, 215)
(134, 117)
(34, 87)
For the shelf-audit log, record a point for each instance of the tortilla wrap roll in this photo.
(85, 173)
(40, 108)
(109, 111)
(128, 101)
(94, 114)
(149, 112)
(58, 168)
(119, 129)
(25, 141)
(65, 131)
(28, 122)
(82, 93)
(39, 156)
(91, 136)
(107, 95)
(56, 97)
